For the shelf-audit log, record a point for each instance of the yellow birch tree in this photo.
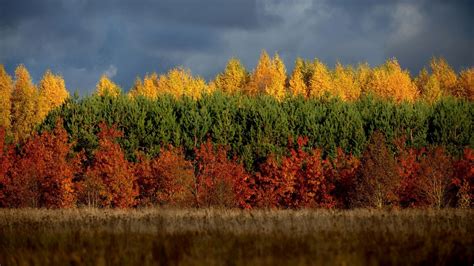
(52, 93)
(107, 87)
(466, 83)
(320, 83)
(297, 83)
(24, 104)
(233, 79)
(445, 74)
(6, 89)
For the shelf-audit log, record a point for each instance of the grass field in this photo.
(217, 237)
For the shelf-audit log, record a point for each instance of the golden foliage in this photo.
(148, 88)
(320, 83)
(269, 77)
(277, 88)
(428, 86)
(431, 90)
(344, 83)
(52, 93)
(6, 88)
(261, 77)
(466, 83)
(389, 81)
(363, 73)
(233, 79)
(297, 82)
(107, 87)
(179, 82)
(445, 74)
(24, 104)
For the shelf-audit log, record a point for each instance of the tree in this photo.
(408, 167)
(344, 83)
(378, 179)
(431, 91)
(6, 162)
(436, 173)
(297, 83)
(109, 180)
(389, 81)
(320, 83)
(363, 73)
(6, 89)
(148, 88)
(466, 83)
(106, 87)
(179, 82)
(464, 179)
(52, 93)
(428, 86)
(261, 77)
(24, 104)
(445, 75)
(43, 173)
(166, 180)
(220, 181)
(343, 169)
(137, 88)
(233, 79)
(277, 88)
(300, 180)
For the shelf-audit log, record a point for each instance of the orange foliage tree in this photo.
(167, 179)
(408, 168)
(343, 171)
(109, 181)
(219, 180)
(43, 172)
(300, 180)
(464, 179)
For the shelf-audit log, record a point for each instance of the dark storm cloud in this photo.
(83, 39)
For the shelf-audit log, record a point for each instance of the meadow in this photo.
(150, 236)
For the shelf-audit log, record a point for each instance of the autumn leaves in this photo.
(24, 105)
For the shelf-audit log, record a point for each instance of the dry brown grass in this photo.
(213, 236)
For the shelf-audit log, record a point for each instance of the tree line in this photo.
(319, 138)
(47, 172)
(24, 104)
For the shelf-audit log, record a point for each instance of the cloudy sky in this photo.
(82, 39)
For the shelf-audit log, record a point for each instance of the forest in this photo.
(318, 137)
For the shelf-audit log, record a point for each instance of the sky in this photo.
(83, 39)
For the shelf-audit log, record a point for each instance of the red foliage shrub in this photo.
(43, 172)
(220, 181)
(343, 171)
(409, 167)
(299, 181)
(464, 179)
(167, 179)
(109, 180)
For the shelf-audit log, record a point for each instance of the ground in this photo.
(236, 237)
